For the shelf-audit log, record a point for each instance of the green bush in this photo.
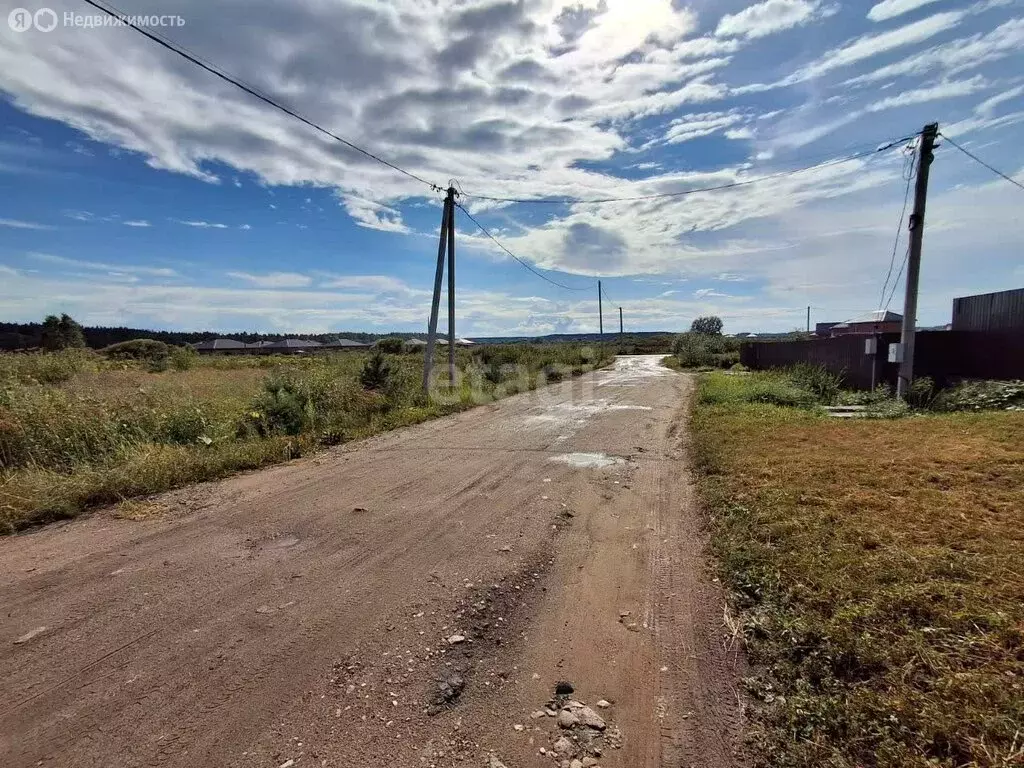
(376, 372)
(390, 344)
(981, 396)
(282, 408)
(137, 349)
(816, 379)
(184, 358)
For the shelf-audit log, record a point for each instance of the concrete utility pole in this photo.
(808, 319)
(445, 242)
(451, 286)
(924, 161)
(620, 323)
(600, 311)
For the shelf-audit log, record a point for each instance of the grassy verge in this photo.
(78, 430)
(878, 569)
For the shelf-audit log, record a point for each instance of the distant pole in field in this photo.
(620, 322)
(451, 286)
(924, 161)
(600, 311)
(808, 319)
(445, 239)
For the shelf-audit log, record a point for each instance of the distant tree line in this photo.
(62, 332)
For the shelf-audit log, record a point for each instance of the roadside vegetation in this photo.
(704, 347)
(80, 428)
(874, 567)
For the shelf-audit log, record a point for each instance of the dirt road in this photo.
(410, 600)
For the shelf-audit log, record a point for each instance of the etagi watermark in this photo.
(47, 20)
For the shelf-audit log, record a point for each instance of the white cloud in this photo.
(274, 279)
(771, 16)
(953, 57)
(62, 261)
(869, 46)
(890, 9)
(137, 223)
(946, 90)
(202, 224)
(19, 224)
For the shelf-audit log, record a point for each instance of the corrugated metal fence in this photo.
(945, 356)
(990, 312)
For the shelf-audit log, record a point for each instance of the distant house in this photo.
(290, 346)
(415, 343)
(343, 344)
(878, 321)
(824, 329)
(221, 346)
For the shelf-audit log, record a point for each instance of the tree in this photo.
(62, 333)
(709, 325)
(71, 333)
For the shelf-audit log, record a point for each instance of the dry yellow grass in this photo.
(879, 566)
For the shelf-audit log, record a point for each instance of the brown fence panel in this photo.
(945, 356)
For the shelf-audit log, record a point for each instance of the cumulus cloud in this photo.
(557, 98)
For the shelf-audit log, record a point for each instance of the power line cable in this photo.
(715, 188)
(214, 70)
(982, 162)
(908, 175)
(497, 242)
(899, 274)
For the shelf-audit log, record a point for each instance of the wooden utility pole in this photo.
(445, 242)
(924, 161)
(451, 286)
(620, 323)
(600, 311)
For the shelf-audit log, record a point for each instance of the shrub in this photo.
(137, 349)
(282, 408)
(183, 358)
(390, 344)
(376, 372)
(980, 396)
(818, 380)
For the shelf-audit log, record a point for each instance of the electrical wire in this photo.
(715, 188)
(497, 242)
(908, 175)
(605, 292)
(252, 91)
(977, 159)
(899, 274)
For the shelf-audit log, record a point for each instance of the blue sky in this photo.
(136, 189)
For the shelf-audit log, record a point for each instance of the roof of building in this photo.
(415, 342)
(876, 316)
(345, 343)
(220, 344)
(292, 344)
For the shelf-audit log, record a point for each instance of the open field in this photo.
(876, 571)
(77, 430)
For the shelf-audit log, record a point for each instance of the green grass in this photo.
(79, 430)
(878, 570)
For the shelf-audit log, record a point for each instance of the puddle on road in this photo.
(587, 460)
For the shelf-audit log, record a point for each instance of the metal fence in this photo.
(1002, 311)
(944, 356)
